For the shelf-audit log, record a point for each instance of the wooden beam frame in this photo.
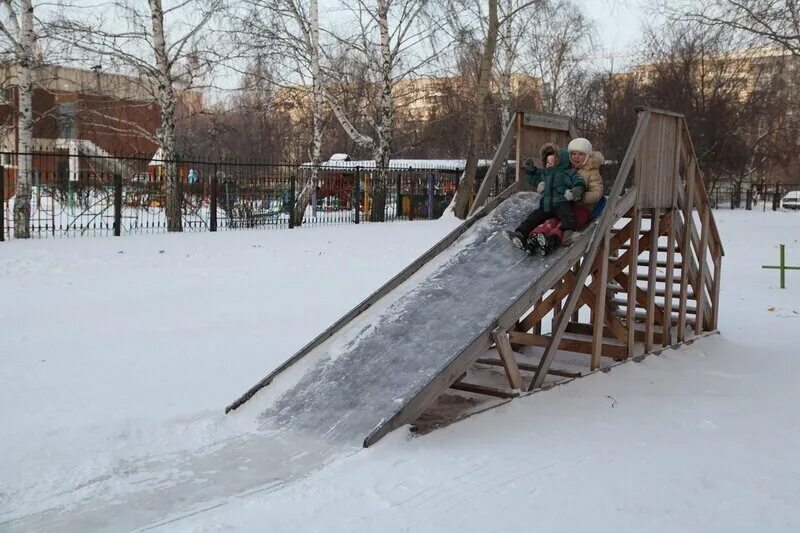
(507, 358)
(605, 224)
(600, 305)
(500, 156)
(633, 262)
(651, 280)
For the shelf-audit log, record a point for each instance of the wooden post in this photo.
(600, 305)
(576, 315)
(686, 246)
(507, 358)
(652, 272)
(537, 327)
(630, 318)
(701, 275)
(666, 332)
(715, 292)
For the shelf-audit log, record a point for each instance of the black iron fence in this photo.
(755, 196)
(91, 195)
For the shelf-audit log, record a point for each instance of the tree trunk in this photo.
(467, 184)
(22, 200)
(166, 134)
(386, 125)
(316, 117)
(508, 47)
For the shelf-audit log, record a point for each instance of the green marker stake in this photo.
(782, 267)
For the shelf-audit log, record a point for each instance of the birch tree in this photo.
(557, 50)
(19, 38)
(287, 31)
(402, 28)
(493, 26)
(167, 48)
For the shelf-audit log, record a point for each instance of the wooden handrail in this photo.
(701, 194)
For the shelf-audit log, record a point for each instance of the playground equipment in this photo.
(465, 325)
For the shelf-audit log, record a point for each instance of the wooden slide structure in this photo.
(475, 321)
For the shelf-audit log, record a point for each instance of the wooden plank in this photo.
(701, 294)
(715, 291)
(546, 121)
(600, 305)
(669, 287)
(606, 221)
(482, 389)
(537, 326)
(700, 187)
(576, 313)
(612, 351)
(500, 157)
(507, 358)
(525, 367)
(651, 282)
(686, 246)
(632, 288)
(588, 329)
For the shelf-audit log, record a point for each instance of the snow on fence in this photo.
(90, 195)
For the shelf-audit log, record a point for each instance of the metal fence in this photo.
(76, 195)
(755, 196)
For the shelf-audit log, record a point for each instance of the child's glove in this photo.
(574, 194)
(540, 187)
(528, 164)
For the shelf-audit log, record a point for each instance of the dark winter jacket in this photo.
(556, 179)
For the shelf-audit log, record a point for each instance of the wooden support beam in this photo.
(507, 358)
(633, 254)
(701, 294)
(668, 287)
(675, 307)
(651, 282)
(613, 351)
(588, 329)
(531, 368)
(482, 389)
(500, 157)
(600, 304)
(576, 314)
(715, 291)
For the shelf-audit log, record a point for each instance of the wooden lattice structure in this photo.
(650, 276)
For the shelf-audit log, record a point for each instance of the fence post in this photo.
(776, 197)
(398, 210)
(213, 221)
(292, 191)
(431, 195)
(2, 203)
(117, 204)
(357, 194)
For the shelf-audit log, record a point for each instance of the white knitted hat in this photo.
(580, 145)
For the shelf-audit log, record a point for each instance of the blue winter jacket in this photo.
(556, 179)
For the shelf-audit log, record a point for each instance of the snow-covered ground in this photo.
(118, 351)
